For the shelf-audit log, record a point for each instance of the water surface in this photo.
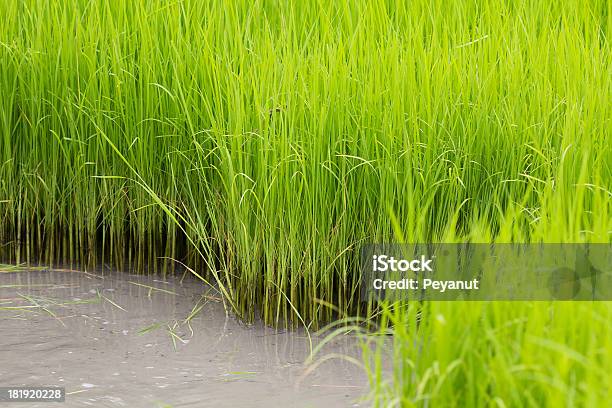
(112, 341)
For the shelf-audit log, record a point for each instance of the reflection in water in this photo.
(125, 340)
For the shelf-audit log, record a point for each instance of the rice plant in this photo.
(262, 143)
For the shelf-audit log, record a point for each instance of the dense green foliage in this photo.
(263, 142)
(500, 354)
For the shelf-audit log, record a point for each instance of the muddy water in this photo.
(112, 342)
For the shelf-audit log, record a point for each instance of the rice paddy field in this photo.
(261, 144)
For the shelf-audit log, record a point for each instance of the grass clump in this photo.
(503, 354)
(262, 143)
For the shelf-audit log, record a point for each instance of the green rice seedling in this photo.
(262, 144)
(483, 354)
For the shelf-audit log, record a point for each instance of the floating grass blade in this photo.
(153, 288)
